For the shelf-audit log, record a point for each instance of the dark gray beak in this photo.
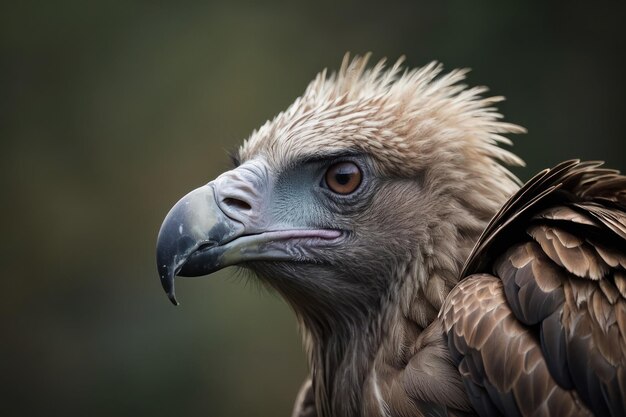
(228, 222)
(192, 236)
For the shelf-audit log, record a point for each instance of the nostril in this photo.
(236, 204)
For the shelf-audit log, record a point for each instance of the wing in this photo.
(538, 327)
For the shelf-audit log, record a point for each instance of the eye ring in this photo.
(343, 177)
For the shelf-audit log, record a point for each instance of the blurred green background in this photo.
(112, 110)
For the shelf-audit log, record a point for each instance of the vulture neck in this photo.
(344, 351)
(345, 346)
(341, 350)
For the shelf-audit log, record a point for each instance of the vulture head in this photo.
(359, 205)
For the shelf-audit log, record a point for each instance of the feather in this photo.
(511, 364)
(569, 279)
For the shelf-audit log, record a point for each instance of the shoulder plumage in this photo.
(543, 301)
(580, 193)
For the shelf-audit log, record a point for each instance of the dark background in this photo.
(112, 110)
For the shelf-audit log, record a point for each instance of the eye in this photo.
(343, 177)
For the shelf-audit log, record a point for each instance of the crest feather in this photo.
(408, 120)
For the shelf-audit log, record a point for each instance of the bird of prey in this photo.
(425, 281)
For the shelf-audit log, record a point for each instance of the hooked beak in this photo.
(191, 238)
(226, 222)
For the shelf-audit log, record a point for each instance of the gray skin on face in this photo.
(291, 229)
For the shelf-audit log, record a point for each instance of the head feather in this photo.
(410, 121)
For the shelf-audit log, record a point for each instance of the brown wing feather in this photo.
(500, 358)
(554, 308)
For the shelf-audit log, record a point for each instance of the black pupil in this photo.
(343, 178)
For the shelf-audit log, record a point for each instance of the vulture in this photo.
(426, 280)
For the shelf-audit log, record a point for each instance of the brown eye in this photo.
(343, 177)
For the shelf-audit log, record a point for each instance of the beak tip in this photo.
(195, 220)
(172, 298)
(167, 282)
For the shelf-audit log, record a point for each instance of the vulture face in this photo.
(296, 226)
(332, 201)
